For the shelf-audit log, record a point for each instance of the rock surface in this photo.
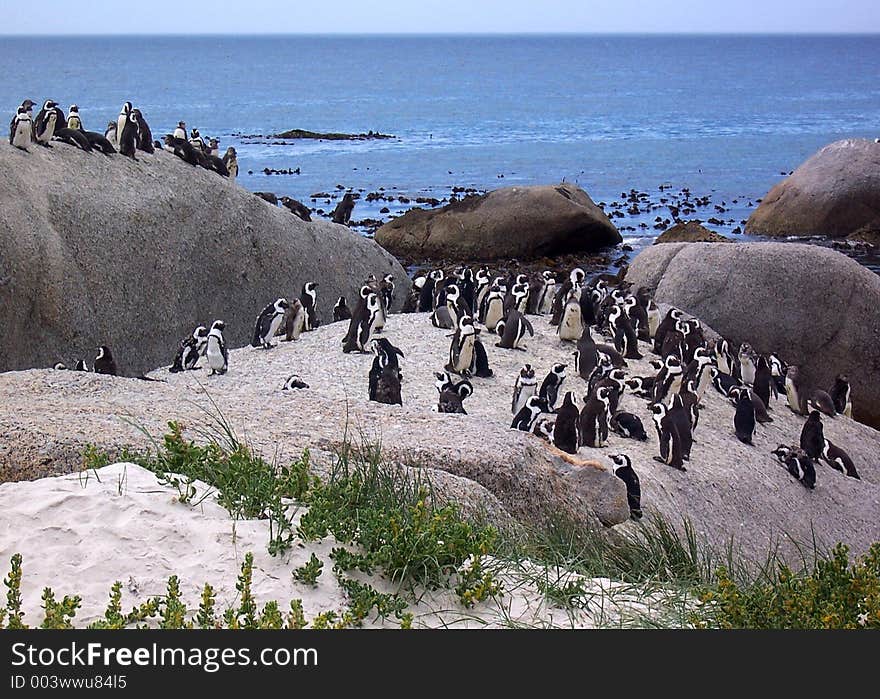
(817, 307)
(105, 250)
(521, 222)
(834, 193)
(690, 232)
(730, 489)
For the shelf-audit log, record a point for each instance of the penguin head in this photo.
(559, 369)
(781, 452)
(499, 327)
(126, 108)
(28, 105)
(464, 389)
(365, 291)
(527, 372)
(659, 410)
(281, 305)
(703, 355)
(200, 331)
(218, 325)
(437, 275)
(618, 375)
(815, 416)
(482, 276)
(443, 381)
(620, 461)
(73, 109)
(522, 279)
(104, 353)
(388, 279)
(536, 404)
(341, 302)
(548, 277)
(49, 104)
(59, 366)
(231, 152)
(310, 288)
(81, 365)
(577, 276)
(452, 293)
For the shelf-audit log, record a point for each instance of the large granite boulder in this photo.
(834, 193)
(690, 232)
(520, 222)
(134, 254)
(817, 307)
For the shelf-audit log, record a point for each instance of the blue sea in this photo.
(725, 116)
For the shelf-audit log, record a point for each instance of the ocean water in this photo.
(726, 117)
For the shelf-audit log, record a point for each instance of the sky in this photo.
(443, 16)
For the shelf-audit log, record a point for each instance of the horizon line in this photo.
(403, 34)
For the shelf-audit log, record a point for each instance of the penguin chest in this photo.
(792, 395)
(214, 354)
(493, 314)
(571, 327)
(23, 134)
(465, 354)
(274, 324)
(546, 303)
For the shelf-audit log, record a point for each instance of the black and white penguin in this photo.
(446, 315)
(525, 387)
(144, 134)
(691, 400)
(628, 425)
(294, 383)
(594, 418)
(386, 354)
(744, 418)
(838, 459)
(482, 282)
(73, 137)
(586, 356)
(104, 362)
(215, 349)
(841, 395)
(493, 309)
(111, 135)
(196, 141)
(638, 317)
(543, 429)
(341, 310)
(724, 357)
(121, 122)
(542, 298)
(641, 386)
(480, 365)
(21, 130)
(384, 385)
(181, 148)
(571, 323)
(99, 142)
(386, 290)
(426, 296)
(81, 365)
(813, 436)
(309, 300)
(230, 160)
(624, 471)
(349, 342)
(763, 385)
(268, 323)
(798, 464)
(571, 287)
(747, 366)
(669, 437)
(615, 379)
(293, 321)
(625, 339)
(369, 321)
(525, 419)
(668, 379)
(681, 418)
(722, 382)
(820, 400)
(59, 366)
(461, 350)
(673, 315)
(514, 331)
(197, 347)
(128, 136)
(654, 318)
(698, 371)
(794, 391)
(566, 432)
(777, 371)
(551, 384)
(47, 121)
(451, 399)
(180, 131)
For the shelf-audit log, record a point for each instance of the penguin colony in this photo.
(127, 135)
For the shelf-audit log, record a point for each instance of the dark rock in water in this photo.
(690, 232)
(342, 212)
(834, 193)
(301, 133)
(267, 196)
(384, 210)
(868, 234)
(522, 222)
(134, 255)
(296, 207)
(819, 309)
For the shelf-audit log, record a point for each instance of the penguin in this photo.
(514, 331)
(104, 362)
(638, 317)
(673, 315)
(144, 135)
(294, 383)
(586, 357)
(197, 345)
(551, 384)
(544, 293)
(573, 286)
(654, 319)
(480, 365)
(181, 148)
(452, 397)
(838, 459)
(722, 382)
(461, 350)
(698, 371)
(674, 342)
(180, 131)
(215, 349)
(691, 400)
(48, 119)
(493, 311)
(195, 140)
(128, 136)
(641, 386)
(214, 147)
(747, 366)
(761, 415)
(73, 137)
(669, 436)
(724, 357)
(358, 315)
(369, 321)
(798, 464)
(230, 160)
(680, 417)
(624, 471)
(813, 436)
(820, 400)
(763, 380)
(384, 384)
(628, 425)
(99, 142)
(386, 291)
(482, 281)
(111, 135)
(183, 348)
(525, 419)
(566, 431)
(268, 322)
(446, 315)
(426, 296)
(614, 380)
(309, 300)
(571, 324)
(744, 418)
(777, 371)
(794, 392)
(625, 340)
(341, 310)
(668, 379)
(81, 365)
(544, 429)
(841, 395)
(122, 122)
(525, 387)
(292, 322)
(21, 130)
(386, 354)
(594, 418)
(59, 366)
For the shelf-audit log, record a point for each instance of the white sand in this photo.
(81, 532)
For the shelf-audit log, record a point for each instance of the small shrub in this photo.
(310, 572)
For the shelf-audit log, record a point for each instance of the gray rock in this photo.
(690, 232)
(520, 222)
(817, 307)
(834, 193)
(105, 250)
